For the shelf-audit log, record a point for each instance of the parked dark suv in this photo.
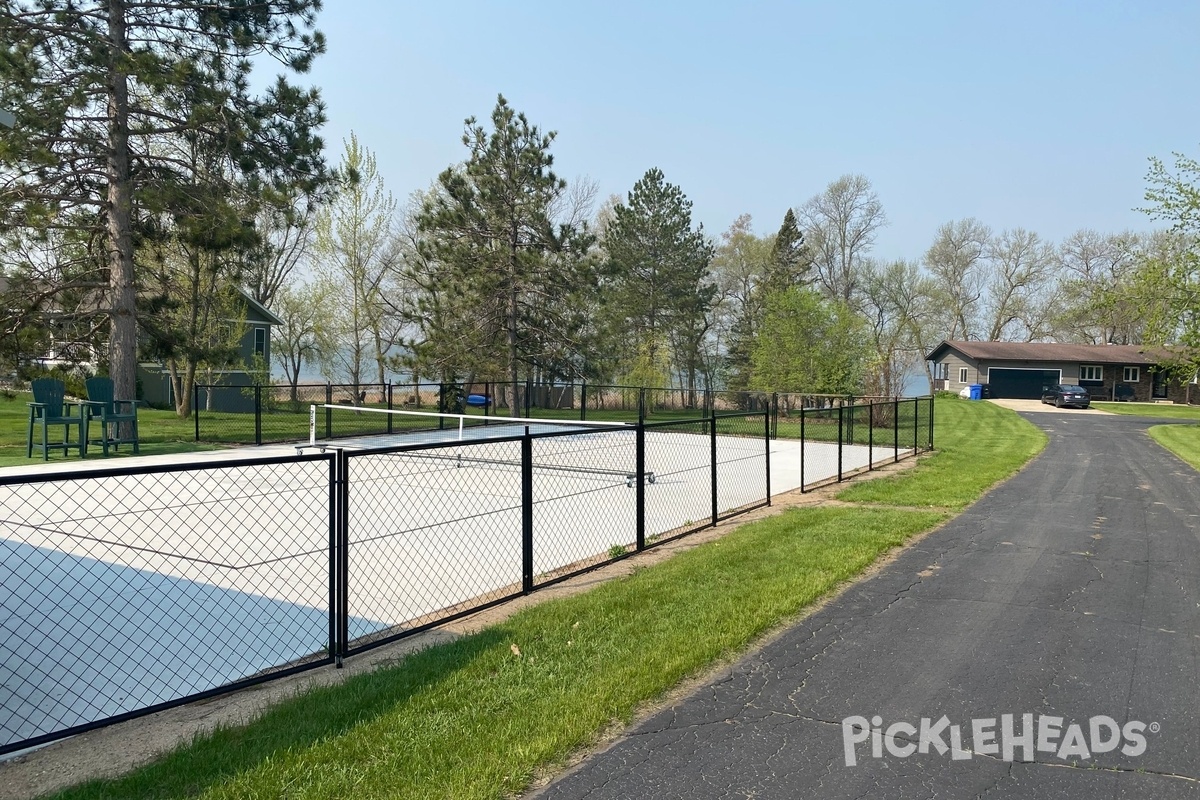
(1065, 394)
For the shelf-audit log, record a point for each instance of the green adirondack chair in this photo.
(50, 408)
(116, 417)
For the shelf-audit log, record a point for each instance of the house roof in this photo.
(260, 309)
(1052, 351)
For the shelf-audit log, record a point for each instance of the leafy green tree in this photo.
(353, 246)
(658, 278)
(1166, 283)
(810, 344)
(295, 343)
(98, 86)
(491, 227)
(741, 265)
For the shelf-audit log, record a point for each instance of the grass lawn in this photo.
(478, 717)
(1182, 440)
(976, 444)
(1151, 410)
(159, 431)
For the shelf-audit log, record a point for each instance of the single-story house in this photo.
(154, 379)
(1025, 369)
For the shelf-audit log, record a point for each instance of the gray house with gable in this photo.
(154, 379)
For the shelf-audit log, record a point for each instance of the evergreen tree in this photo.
(490, 227)
(98, 87)
(790, 259)
(658, 277)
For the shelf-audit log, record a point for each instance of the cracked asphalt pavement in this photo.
(1072, 590)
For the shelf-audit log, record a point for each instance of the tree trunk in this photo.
(512, 318)
(122, 338)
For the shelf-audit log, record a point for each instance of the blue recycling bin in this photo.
(976, 391)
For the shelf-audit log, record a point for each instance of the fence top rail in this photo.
(83, 472)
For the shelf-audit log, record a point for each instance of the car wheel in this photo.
(1058, 402)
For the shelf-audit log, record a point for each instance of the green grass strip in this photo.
(1163, 410)
(472, 719)
(1182, 440)
(977, 444)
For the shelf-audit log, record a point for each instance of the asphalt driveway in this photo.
(1072, 592)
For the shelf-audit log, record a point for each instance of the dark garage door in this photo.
(1021, 384)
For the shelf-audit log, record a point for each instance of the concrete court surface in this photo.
(160, 578)
(1072, 591)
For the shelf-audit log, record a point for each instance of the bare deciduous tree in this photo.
(1021, 287)
(957, 262)
(840, 226)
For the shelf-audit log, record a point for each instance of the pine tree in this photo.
(658, 273)
(790, 260)
(98, 87)
(491, 225)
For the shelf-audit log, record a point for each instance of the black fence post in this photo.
(583, 401)
(802, 443)
(528, 397)
(767, 446)
(774, 415)
(841, 416)
(343, 559)
(389, 395)
(931, 422)
(896, 429)
(527, 512)
(916, 424)
(196, 408)
(640, 469)
(328, 411)
(258, 414)
(870, 436)
(712, 423)
(642, 404)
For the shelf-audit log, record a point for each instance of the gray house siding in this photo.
(1141, 375)
(154, 380)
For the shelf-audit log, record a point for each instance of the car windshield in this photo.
(1072, 389)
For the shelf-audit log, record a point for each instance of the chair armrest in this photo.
(36, 405)
(94, 408)
(133, 404)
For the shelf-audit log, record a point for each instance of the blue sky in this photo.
(1039, 115)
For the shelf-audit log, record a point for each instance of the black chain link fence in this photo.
(132, 590)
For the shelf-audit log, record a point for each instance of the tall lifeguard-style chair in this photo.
(114, 415)
(50, 408)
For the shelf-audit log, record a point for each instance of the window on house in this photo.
(1091, 373)
(962, 374)
(941, 372)
(260, 342)
(1132, 374)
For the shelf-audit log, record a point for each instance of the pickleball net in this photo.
(586, 448)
